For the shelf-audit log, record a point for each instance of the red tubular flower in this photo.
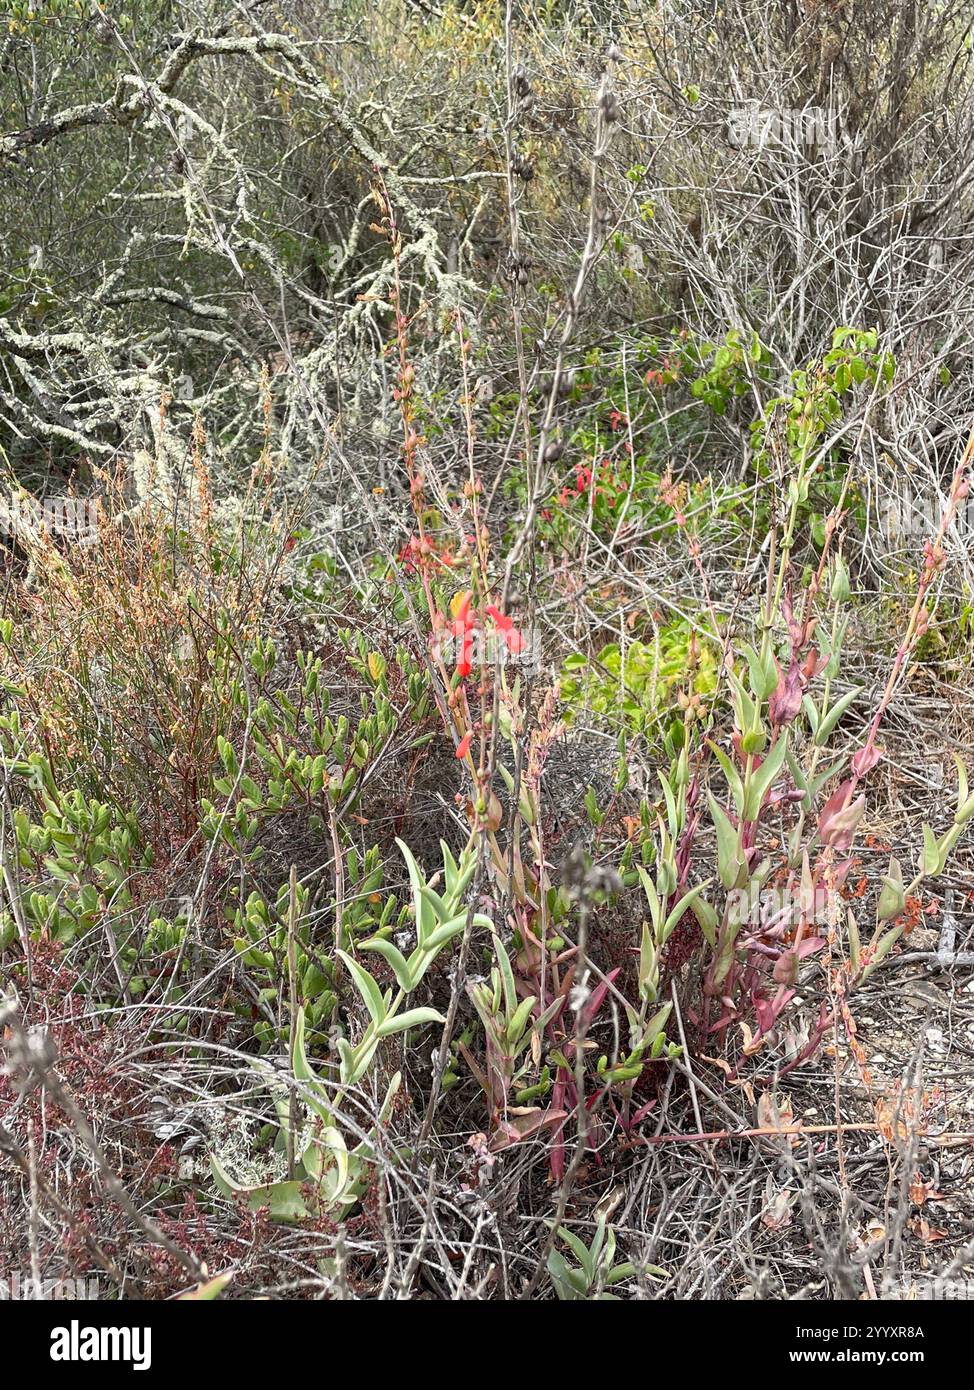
(505, 626)
(460, 608)
(463, 747)
(462, 627)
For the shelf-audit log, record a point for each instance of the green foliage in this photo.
(597, 1272)
(79, 853)
(636, 689)
(327, 1177)
(804, 417)
(728, 371)
(298, 758)
(262, 942)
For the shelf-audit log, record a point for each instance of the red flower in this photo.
(505, 626)
(583, 479)
(463, 747)
(461, 627)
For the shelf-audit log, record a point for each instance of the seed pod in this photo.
(610, 107)
(522, 84)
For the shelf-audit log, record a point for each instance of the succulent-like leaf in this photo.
(732, 775)
(707, 919)
(316, 1094)
(729, 859)
(412, 1018)
(763, 779)
(396, 959)
(652, 897)
(892, 898)
(834, 715)
(208, 1290)
(284, 1200)
(366, 986)
(931, 852)
(520, 1018)
(685, 903)
(671, 814)
(422, 909)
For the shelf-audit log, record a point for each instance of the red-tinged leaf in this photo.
(558, 1098)
(785, 973)
(725, 1066)
(924, 1231)
(840, 871)
(766, 1011)
(557, 1159)
(865, 759)
(643, 1111)
(786, 700)
(597, 998)
(524, 1125)
(839, 818)
(813, 664)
